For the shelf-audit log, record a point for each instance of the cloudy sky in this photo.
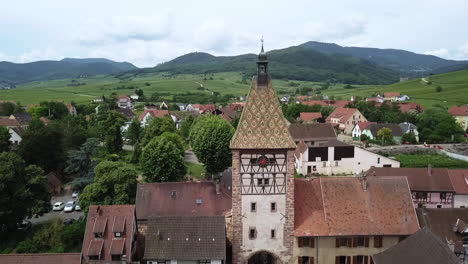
(148, 32)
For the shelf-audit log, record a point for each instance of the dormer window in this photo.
(118, 234)
(98, 235)
(199, 201)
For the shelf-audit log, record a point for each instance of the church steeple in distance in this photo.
(262, 68)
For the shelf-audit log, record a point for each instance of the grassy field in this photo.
(436, 161)
(454, 88)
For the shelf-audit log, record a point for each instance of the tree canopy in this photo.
(210, 136)
(436, 125)
(5, 142)
(156, 127)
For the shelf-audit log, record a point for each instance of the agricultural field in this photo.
(435, 160)
(454, 88)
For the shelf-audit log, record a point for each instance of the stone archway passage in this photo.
(263, 257)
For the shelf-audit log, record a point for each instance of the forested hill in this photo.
(15, 73)
(295, 63)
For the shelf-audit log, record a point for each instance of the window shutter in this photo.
(366, 241)
(354, 259)
(337, 242)
(355, 240)
(312, 242)
(337, 260)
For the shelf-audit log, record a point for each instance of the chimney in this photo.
(429, 169)
(217, 188)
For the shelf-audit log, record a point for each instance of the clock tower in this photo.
(263, 177)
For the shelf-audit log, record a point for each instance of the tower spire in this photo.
(262, 67)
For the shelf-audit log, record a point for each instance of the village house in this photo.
(41, 258)
(310, 117)
(200, 108)
(134, 97)
(450, 225)
(336, 158)
(71, 109)
(16, 134)
(391, 96)
(312, 134)
(237, 106)
(332, 103)
(407, 127)
(359, 128)
(460, 113)
(22, 118)
(459, 179)
(111, 232)
(418, 248)
(430, 187)
(163, 106)
(344, 119)
(285, 99)
(377, 99)
(373, 129)
(226, 113)
(182, 107)
(146, 116)
(346, 220)
(408, 107)
(124, 101)
(402, 98)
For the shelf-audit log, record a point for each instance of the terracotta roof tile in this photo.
(117, 246)
(100, 224)
(459, 110)
(262, 124)
(305, 116)
(118, 224)
(154, 113)
(459, 180)
(180, 199)
(6, 122)
(192, 238)
(421, 247)
(95, 247)
(419, 178)
(364, 125)
(41, 258)
(338, 206)
(343, 114)
(391, 94)
(406, 107)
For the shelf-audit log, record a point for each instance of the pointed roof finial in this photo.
(261, 39)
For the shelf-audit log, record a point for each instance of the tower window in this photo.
(253, 207)
(252, 233)
(273, 207)
(263, 182)
(273, 233)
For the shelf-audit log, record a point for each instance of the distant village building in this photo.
(313, 134)
(226, 113)
(134, 97)
(410, 128)
(391, 96)
(377, 99)
(124, 101)
(459, 179)
(410, 108)
(402, 98)
(460, 113)
(237, 106)
(403, 79)
(337, 158)
(182, 107)
(373, 129)
(359, 128)
(71, 109)
(148, 114)
(200, 108)
(310, 117)
(344, 119)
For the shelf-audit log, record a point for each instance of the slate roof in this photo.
(407, 127)
(23, 118)
(262, 124)
(109, 219)
(41, 258)
(459, 179)
(442, 220)
(459, 110)
(180, 199)
(186, 238)
(308, 132)
(420, 179)
(421, 247)
(305, 116)
(153, 113)
(339, 206)
(374, 129)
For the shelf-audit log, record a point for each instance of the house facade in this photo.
(430, 187)
(148, 114)
(459, 179)
(391, 96)
(373, 129)
(337, 158)
(359, 128)
(407, 127)
(124, 101)
(379, 213)
(460, 113)
(344, 119)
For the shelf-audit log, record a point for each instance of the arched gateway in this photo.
(263, 257)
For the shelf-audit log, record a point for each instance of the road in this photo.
(62, 215)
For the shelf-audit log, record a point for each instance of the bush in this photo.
(438, 89)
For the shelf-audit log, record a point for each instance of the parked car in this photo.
(77, 207)
(70, 206)
(68, 221)
(58, 206)
(75, 194)
(24, 225)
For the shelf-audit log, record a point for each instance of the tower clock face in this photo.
(263, 173)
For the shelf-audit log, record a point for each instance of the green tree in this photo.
(385, 134)
(156, 127)
(161, 160)
(184, 130)
(53, 110)
(80, 162)
(134, 132)
(438, 89)
(364, 139)
(5, 142)
(115, 183)
(74, 131)
(111, 132)
(410, 138)
(23, 189)
(436, 125)
(210, 136)
(42, 145)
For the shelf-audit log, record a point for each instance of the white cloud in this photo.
(443, 53)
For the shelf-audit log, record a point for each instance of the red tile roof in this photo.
(406, 107)
(40, 258)
(153, 113)
(237, 106)
(315, 102)
(180, 199)
(340, 206)
(391, 94)
(364, 125)
(459, 180)
(124, 96)
(6, 122)
(420, 179)
(459, 110)
(204, 108)
(335, 103)
(305, 116)
(107, 219)
(343, 114)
